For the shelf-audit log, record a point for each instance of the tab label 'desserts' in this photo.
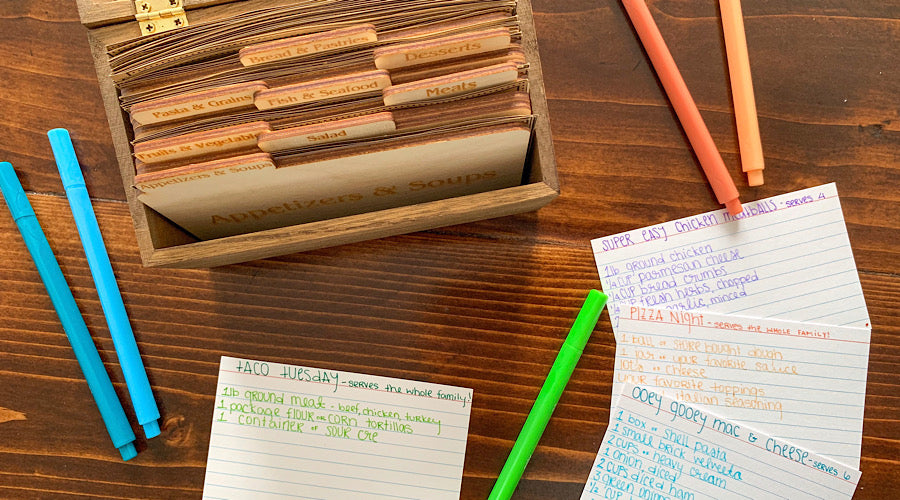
(439, 49)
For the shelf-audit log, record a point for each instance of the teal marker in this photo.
(73, 323)
(107, 289)
(547, 399)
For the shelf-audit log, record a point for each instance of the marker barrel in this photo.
(101, 387)
(548, 397)
(105, 280)
(685, 107)
(752, 159)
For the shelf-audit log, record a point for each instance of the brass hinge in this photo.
(156, 16)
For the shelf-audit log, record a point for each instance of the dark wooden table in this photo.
(484, 305)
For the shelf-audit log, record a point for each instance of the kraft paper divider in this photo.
(407, 116)
(331, 132)
(174, 127)
(415, 125)
(173, 53)
(453, 112)
(148, 154)
(299, 156)
(228, 70)
(277, 118)
(309, 155)
(512, 53)
(163, 244)
(319, 56)
(280, 70)
(443, 116)
(289, 15)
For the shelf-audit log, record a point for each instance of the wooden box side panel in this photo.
(542, 150)
(121, 142)
(352, 229)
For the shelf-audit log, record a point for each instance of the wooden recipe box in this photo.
(163, 244)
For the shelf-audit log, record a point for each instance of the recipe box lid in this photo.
(163, 244)
(96, 13)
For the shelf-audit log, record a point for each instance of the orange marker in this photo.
(685, 108)
(742, 91)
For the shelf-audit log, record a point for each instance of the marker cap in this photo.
(755, 177)
(128, 451)
(69, 168)
(587, 318)
(151, 429)
(734, 206)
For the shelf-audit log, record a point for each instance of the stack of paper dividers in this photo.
(276, 118)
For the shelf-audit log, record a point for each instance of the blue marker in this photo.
(105, 281)
(98, 380)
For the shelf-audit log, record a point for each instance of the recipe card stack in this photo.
(316, 110)
(742, 351)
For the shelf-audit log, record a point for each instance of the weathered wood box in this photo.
(164, 244)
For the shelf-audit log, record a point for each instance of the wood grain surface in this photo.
(483, 305)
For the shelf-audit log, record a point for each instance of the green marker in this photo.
(547, 399)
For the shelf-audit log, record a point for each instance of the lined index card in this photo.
(801, 382)
(658, 448)
(784, 257)
(283, 431)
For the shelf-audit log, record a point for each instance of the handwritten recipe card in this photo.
(726, 324)
(659, 448)
(784, 257)
(801, 382)
(284, 431)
